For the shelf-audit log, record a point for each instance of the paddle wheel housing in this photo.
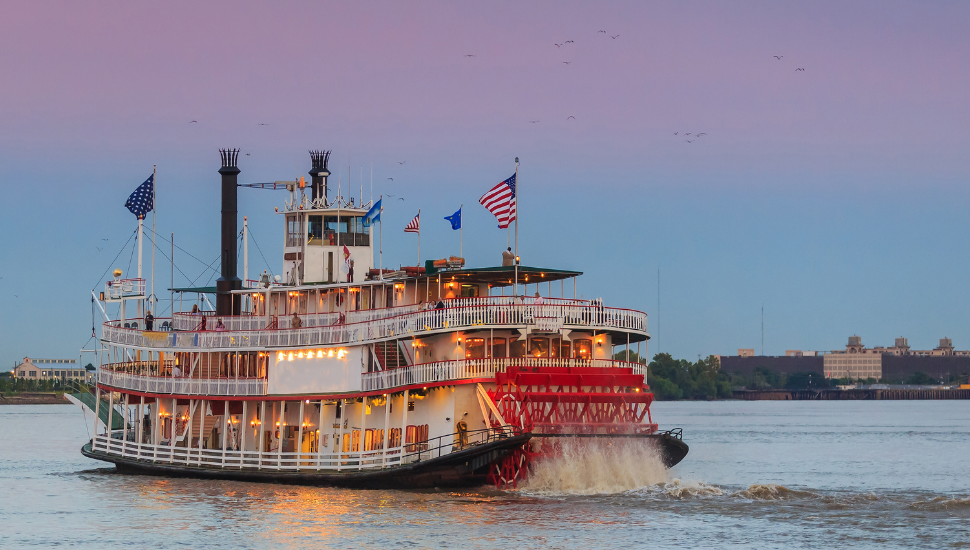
(566, 400)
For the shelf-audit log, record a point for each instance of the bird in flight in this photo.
(401, 162)
(557, 45)
(568, 62)
(263, 124)
(470, 55)
(191, 121)
(675, 133)
(778, 57)
(570, 117)
(800, 69)
(533, 121)
(701, 134)
(390, 195)
(392, 179)
(247, 154)
(687, 134)
(690, 141)
(104, 239)
(615, 37)
(568, 42)
(99, 248)
(400, 198)
(604, 32)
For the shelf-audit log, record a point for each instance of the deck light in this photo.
(319, 354)
(330, 353)
(280, 356)
(300, 355)
(290, 356)
(341, 353)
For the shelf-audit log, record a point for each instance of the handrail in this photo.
(546, 317)
(474, 369)
(183, 386)
(420, 374)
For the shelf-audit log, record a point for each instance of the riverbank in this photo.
(34, 399)
(851, 395)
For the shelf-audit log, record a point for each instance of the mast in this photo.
(245, 249)
(516, 226)
(461, 235)
(381, 249)
(141, 234)
(151, 296)
(419, 237)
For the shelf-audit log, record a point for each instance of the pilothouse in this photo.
(340, 372)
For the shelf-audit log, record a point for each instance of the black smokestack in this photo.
(318, 174)
(225, 302)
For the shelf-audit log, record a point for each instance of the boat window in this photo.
(469, 291)
(474, 348)
(539, 347)
(315, 227)
(294, 231)
(498, 348)
(564, 349)
(582, 349)
(516, 348)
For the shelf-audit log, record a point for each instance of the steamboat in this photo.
(339, 373)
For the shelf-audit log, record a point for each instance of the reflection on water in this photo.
(775, 475)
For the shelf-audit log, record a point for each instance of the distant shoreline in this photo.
(44, 400)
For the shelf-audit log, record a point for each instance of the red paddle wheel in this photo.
(566, 400)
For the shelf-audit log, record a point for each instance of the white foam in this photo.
(596, 466)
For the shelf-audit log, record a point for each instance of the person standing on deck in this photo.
(149, 320)
(296, 322)
(508, 258)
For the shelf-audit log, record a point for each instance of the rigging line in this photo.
(184, 250)
(113, 261)
(132, 257)
(162, 251)
(261, 252)
(219, 257)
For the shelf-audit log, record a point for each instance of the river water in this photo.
(759, 474)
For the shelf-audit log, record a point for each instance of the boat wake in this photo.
(596, 467)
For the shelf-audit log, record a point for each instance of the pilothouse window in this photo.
(294, 231)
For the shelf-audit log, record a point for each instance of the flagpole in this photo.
(516, 226)
(141, 233)
(381, 264)
(461, 233)
(419, 237)
(151, 297)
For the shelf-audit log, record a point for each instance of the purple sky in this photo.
(835, 196)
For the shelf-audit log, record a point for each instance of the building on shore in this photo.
(856, 361)
(64, 370)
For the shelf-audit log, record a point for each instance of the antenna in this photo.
(762, 329)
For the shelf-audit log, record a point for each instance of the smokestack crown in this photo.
(319, 160)
(230, 158)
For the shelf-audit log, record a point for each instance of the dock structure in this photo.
(852, 395)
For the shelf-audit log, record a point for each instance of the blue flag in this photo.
(142, 200)
(373, 215)
(455, 219)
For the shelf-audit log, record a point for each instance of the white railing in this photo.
(183, 386)
(543, 316)
(123, 288)
(470, 369)
(193, 322)
(253, 460)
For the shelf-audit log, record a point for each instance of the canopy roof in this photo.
(505, 275)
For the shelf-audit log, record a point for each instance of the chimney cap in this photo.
(319, 160)
(230, 158)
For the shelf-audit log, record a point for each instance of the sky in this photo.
(834, 198)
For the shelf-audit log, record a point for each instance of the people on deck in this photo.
(508, 258)
(296, 322)
(219, 325)
(149, 320)
(538, 299)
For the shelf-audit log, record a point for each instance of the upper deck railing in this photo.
(548, 316)
(147, 377)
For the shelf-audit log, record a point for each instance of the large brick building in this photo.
(49, 369)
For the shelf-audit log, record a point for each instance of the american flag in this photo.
(500, 201)
(415, 225)
(142, 200)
